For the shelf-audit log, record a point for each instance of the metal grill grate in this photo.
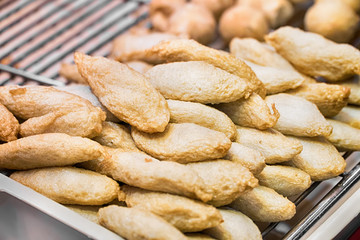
(36, 36)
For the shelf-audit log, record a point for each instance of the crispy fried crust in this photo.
(71, 73)
(125, 92)
(88, 212)
(140, 170)
(196, 81)
(47, 150)
(314, 55)
(183, 143)
(116, 136)
(48, 110)
(236, 225)
(135, 224)
(354, 85)
(288, 181)
(69, 185)
(298, 116)
(273, 145)
(189, 50)
(247, 157)
(188, 112)
(319, 158)
(264, 205)
(344, 137)
(251, 112)
(330, 99)
(9, 127)
(185, 214)
(225, 180)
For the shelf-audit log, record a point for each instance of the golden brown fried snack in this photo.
(188, 112)
(277, 12)
(198, 236)
(217, 7)
(274, 146)
(349, 115)
(247, 157)
(259, 53)
(141, 67)
(344, 137)
(131, 46)
(69, 185)
(166, 7)
(125, 92)
(88, 212)
(354, 85)
(84, 91)
(354, 4)
(329, 99)
(277, 80)
(71, 73)
(225, 180)
(135, 224)
(195, 21)
(314, 55)
(185, 214)
(235, 226)
(47, 110)
(319, 158)
(9, 125)
(288, 181)
(196, 81)
(183, 143)
(140, 170)
(189, 50)
(116, 136)
(263, 204)
(298, 116)
(332, 19)
(252, 112)
(243, 21)
(47, 150)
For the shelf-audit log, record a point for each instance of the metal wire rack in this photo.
(37, 35)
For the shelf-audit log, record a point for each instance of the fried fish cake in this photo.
(262, 54)
(140, 170)
(9, 127)
(344, 137)
(136, 224)
(196, 81)
(288, 181)
(189, 112)
(236, 225)
(183, 143)
(298, 116)
(131, 46)
(48, 110)
(319, 158)
(125, 92)
(71, 73)
(217, 7)
(277, 80)
(189, 50)
(349, 115)
(69, 185)
(354, 85)
(251, 112)
(48, 150)
(116, 136)
(185, 214)
(225, 180)
(86, 211)
(247, 157)
(329, 98)
(314, 55)
(263, 204)
(273, 145)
